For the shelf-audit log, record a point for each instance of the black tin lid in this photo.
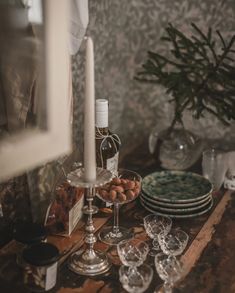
(41, 254)
(29, 233)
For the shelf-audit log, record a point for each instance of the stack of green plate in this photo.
(176, 194)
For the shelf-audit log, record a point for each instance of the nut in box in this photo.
(65, 210)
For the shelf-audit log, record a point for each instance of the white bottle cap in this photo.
(101, 111)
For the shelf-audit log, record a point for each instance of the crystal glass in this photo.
(133, 252)
(169, 270)
(139, 284)
(173, 243)
(154, 225)
(229, 181)
(214, 166)
(124, 188)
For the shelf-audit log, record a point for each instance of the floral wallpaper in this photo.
(123, 31)
(14, 199)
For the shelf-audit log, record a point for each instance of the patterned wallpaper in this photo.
(123, 31)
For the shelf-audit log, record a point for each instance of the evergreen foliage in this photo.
(199, 75)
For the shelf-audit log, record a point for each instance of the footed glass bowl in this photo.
(123, 188)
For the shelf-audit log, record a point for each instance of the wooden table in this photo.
(209, 258)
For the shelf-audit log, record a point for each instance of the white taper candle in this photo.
(89, 115)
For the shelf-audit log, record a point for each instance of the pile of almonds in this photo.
(120, 190)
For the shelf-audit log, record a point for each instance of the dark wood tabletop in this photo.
(209, 258)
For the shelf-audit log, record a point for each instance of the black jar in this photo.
(40, 272)
(27, 234)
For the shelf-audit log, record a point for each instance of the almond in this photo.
(123, 181)
(129, 185)
(121, 197)
(104, 193)
(112, 195)
(130, 195)
(117, 181)
(118, 188)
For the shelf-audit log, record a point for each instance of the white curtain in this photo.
(79, 18)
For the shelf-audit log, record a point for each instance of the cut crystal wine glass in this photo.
(155, 225)
(169, 270)
(136, 285)
(173, 243)
(132, 254)
(124, 188)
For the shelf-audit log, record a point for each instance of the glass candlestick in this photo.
(89, 262)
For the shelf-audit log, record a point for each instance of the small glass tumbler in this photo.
(229, 181)
(214, 166)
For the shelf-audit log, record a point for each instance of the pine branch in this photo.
(209, 43)
(199, 78)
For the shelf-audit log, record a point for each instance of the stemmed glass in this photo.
(155, 225)
(169, 270)
(121, 190)
(132, 252)
(145, 273)
(168, 266)
(134, 276)
(174, 242)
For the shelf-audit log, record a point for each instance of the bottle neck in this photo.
(102, 130)
(101, 119)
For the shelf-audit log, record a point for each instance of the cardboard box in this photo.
(65, 210)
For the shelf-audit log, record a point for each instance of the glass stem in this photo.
(132, 271)
(116, 219)
(156, 244)
(167, 287)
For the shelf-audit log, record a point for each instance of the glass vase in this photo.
(175, 147)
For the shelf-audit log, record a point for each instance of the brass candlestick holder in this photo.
(89, 262)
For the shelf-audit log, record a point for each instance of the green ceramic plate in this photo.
(174, 204)
(174, 215)
(176, 186)
(177, 210)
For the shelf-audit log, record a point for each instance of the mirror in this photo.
(34, 84)
(21, 76)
